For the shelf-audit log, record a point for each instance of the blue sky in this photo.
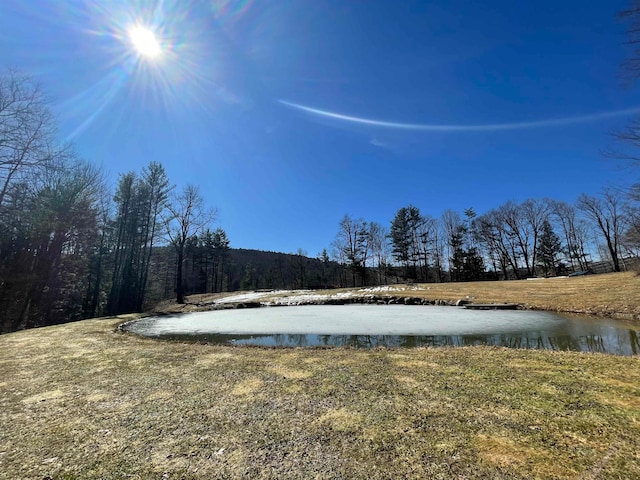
(290, 113)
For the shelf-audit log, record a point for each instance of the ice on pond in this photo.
(395, 325)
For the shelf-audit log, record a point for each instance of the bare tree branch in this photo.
(27, 131)
(187, 218)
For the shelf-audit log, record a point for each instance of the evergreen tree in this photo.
(45, 247)
(458, 255)
(405, 237)
(140, 204)
(155, 190)
(466, 262)
(250, 278)
(474, 267)
(220, 255)
(324, 258)
(549, 248)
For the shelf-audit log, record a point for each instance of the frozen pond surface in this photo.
(395, 326)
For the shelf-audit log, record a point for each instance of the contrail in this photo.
(489, 127)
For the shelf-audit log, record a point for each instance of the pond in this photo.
(368, 326)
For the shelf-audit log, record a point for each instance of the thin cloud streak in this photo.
(378, 143)
(489, 127)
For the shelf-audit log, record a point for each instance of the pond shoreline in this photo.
(372, 322)
(188, 306)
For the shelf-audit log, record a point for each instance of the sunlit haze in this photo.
(144, 41)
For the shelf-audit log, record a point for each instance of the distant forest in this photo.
(73, 247)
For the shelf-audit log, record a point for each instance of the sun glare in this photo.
(145, 42)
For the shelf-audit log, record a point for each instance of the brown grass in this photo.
(80, 401)
(613, 295)
(616, 294)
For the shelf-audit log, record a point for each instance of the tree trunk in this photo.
(179, 285)
(614, 254)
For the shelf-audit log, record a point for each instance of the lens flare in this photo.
(159, 56)
(226, 11)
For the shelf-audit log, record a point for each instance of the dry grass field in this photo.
(611, 295)
(84, 401)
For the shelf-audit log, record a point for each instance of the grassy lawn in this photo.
(82, 401)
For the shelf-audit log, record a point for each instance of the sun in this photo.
(145, 42)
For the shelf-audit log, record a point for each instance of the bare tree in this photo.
(630, 136)
(606, 213)
(632, 234)
(425, 232)
(451, 223)
(631, 66)
(438, 244)
(519, 230)
(339, 256)
(630, 69)
(188, 217)
(378, 240)
(535, 212)
(505, 234)
(27, 131)
(352, 245)
(492, 236)
(575, 234)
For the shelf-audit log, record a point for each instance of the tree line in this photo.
(537, 237)
(72, 249)
(514, 240)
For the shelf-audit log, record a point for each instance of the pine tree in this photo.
(405, 234)
(140, 205)
(549, 247)
(220, 255)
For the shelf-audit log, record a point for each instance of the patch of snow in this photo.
(254, 296)
(390, 288)
(384, 288)
(243, 297)
(300, 299)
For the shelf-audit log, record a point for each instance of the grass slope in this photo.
(81, 401)
(614, 294)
